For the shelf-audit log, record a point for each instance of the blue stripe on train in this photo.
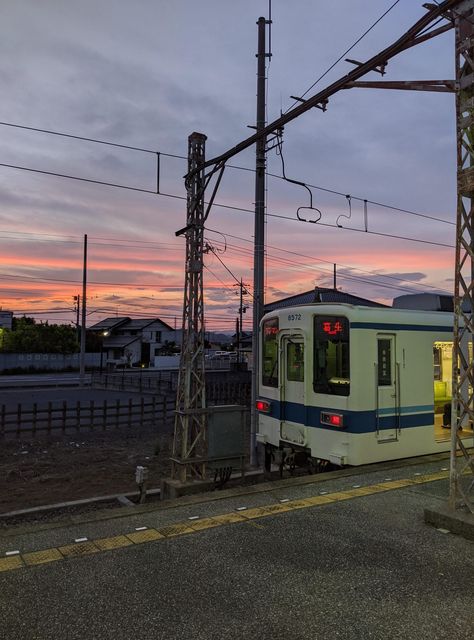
(387, 326)
(354, 421)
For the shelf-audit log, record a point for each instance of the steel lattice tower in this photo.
(190, 421)
(463, 363)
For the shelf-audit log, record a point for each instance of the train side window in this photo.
(270, 353)
(331, 355)
(295, 362)
(384, 349)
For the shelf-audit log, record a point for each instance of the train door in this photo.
(387, 412)
(293, 414)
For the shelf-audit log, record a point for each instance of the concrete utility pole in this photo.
(462, 412)
(82, 354)
(259, 233)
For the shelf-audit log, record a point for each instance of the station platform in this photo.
(344, 554)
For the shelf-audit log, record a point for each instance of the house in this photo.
(132, 341)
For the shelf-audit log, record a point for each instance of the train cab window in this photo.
(331, 355)
(270, 353)
(295, 362)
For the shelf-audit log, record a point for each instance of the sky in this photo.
(146, 74)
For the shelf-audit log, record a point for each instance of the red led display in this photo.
(333, 328)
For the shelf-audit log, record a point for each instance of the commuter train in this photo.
(349, 385)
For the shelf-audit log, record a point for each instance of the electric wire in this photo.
(344, 54)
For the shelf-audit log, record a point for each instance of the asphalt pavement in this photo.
(328, 556)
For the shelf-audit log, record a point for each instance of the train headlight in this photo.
(332, 419)
(263, 406)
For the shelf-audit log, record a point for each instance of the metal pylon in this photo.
(189, 443)
(461, 483)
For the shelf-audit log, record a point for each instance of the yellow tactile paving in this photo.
(175, 530)
(298, 504)
(228, 518)
(78, 549)
(204, 523)
(14, 562)
(42, 557)
(315, 500)
(340, 495)
(114, 542)
(268, 510)
(137, 537)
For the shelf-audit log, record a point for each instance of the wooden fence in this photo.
(222, 392)
(65, 417)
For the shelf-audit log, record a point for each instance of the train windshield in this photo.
(331, 355)
(270, 353)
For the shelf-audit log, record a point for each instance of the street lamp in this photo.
(104, 335)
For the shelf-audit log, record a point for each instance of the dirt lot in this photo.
(82, 466)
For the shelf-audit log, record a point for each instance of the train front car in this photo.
(352, 385)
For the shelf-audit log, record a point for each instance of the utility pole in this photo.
(259, 233)
(83, 323)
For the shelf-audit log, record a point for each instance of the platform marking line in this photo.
(46, 556)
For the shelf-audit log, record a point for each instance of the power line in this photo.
(372, 273)
(345, 53)
(157, 192)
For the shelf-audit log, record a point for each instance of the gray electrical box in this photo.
(225, 435)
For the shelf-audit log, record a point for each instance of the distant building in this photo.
(133, 342)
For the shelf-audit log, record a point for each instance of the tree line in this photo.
(29, 336)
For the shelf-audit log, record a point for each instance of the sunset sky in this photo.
(148, 73)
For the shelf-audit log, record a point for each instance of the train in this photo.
(346, 385)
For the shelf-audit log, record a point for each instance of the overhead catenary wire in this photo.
(341, 57)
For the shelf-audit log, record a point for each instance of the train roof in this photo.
(370, 314)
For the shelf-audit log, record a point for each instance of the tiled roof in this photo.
(321, 295)
(119, 342)
(109, 323)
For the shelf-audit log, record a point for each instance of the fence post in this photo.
(92, 415)
(117, 414)
(34, 415)
(64, 416)
(2, 427)
(78, 415)
(50, 416)
(18, 420)
(104, 416)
